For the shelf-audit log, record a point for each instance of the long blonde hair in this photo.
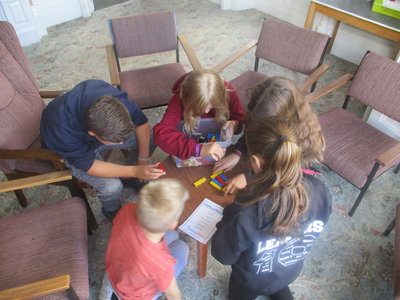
(200, 88)
(280, 180)
(278, 96)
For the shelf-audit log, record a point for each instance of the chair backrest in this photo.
(377, 84)
(298, 49)
(20, 103)
(144, 34)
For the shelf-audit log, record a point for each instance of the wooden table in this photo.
(358, 14)
(189, 175)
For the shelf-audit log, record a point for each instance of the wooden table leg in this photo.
(202, 251)
(310, 16)
(333, 36)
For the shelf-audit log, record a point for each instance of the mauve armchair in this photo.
(145, 34)
(294, 48)
(354, 149)
(43, 252)
(21, 106)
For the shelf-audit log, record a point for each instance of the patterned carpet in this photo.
(350, 260)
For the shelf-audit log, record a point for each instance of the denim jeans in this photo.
(179, 250)
(109, 189)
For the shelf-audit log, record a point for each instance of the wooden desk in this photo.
(189, 175)
(358, 14)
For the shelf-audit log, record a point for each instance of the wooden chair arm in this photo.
(318, 93)
(43, 154)
(38, 288)
(112, 65)
(27, 182)
(194, 61)
(50, 94)
(313, 77)
(389, 156)
(235, 56)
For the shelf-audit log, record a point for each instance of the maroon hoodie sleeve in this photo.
(236, 111)
(166, 135)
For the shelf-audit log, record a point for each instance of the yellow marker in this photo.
(215, 185)
(200, 181)
(216, 174)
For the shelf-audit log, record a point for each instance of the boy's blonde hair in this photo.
(200, 88)
(160, 204)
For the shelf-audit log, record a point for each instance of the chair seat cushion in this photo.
(43, 243)
(150, 87)
(245, 83)
(352, 145)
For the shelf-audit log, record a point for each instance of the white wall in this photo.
(350, 44)
(30, 18)
(53, 12)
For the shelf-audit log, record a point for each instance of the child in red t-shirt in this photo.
(197, 95)
(144, 255)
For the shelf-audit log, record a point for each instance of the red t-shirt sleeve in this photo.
(166, 134)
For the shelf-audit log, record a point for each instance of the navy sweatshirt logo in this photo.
(286, 251)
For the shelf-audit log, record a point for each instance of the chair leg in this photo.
(20, 196)
(389, 228)
(397, 169)
(364, 189)
(76, 191)
(313, 87)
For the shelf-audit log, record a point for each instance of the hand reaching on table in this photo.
(227, 163)
(238, 182)
(148, 172)
(212, 150)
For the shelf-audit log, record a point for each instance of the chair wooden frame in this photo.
(41, 288)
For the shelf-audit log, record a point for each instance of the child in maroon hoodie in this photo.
(198, 94)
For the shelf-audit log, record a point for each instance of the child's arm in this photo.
(238, 182)
(107, 169)
(167, 136)
(143, 139)
(173, 292)
(236, 111)
(230, 240)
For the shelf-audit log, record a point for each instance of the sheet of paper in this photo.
(201, 223)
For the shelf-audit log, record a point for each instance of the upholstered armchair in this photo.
(21, 106)
(146, 34)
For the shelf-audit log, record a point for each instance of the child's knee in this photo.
(111, 186)
(171, 236)
(179, 250)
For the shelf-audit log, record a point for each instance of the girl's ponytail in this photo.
(281, 179)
